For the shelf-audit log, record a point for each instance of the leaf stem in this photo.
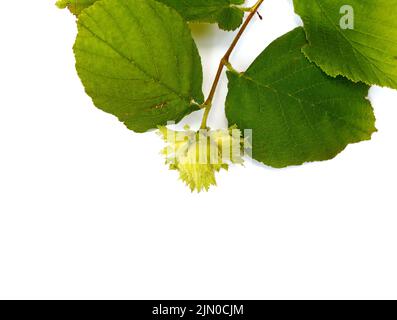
(225, 62)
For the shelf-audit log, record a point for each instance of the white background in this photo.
(89, 210)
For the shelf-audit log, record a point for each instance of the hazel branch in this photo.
(225, 62)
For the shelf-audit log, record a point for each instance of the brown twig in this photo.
(225, 61)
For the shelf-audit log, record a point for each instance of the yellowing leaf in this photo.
(138, 61)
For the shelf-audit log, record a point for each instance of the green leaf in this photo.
(223, 12)
(296, 112)
(138, 61)
(367, 52)
(75, 6)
